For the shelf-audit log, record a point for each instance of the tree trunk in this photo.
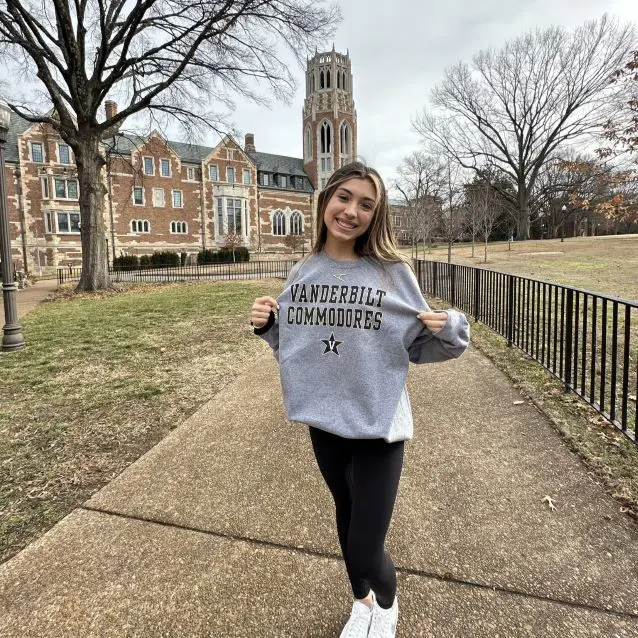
(449, 252)
(95, 275)
(522, 231)
(472, 246)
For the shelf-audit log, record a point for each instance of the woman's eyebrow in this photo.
(367, 199)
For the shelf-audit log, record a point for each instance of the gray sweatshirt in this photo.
(344, 336)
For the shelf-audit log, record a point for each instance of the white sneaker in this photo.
(359, 621)
(384, 621)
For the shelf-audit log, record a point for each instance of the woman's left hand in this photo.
(433, 321)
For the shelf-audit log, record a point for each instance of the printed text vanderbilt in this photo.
(336, 309)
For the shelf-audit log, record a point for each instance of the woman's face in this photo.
(349, 212)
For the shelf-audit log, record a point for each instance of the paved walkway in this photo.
(225, 529)
(29, 298)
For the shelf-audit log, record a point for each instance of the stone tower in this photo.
(329, 116)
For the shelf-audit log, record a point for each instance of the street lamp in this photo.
(562, 223)
(12, 338)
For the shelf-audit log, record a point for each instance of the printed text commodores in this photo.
(336, 317)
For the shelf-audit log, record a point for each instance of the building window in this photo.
(246, 176)
(158, 197)
(140, 226)
(190, 174)
(296, 223)
(345, 143)
(326, 137)
(220, 217)
(323, 183)
(177, 199)
(279, 223)
(230, 175)
(212, 173)
(180, 228)
(44, 183)
(233, 213)
(48, 222)
(149, 166)
(37, 152)
(138, 196)
(308, 143)
(165, 167)
(64, 153)
(66, 188)
(326, 164)
(397, 221)
(69, 223)
(264, 179)
(283, 181)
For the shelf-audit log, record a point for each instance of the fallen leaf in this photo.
(550, 503)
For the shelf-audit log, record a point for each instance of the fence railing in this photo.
(588, 340)
(240, 270)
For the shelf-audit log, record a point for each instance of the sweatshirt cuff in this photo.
(267, 326)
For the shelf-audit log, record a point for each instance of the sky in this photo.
(399, 51)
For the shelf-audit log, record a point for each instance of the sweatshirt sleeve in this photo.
(448, 343)
(269, 332)
(428, 347)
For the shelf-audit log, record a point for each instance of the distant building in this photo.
(166, 195)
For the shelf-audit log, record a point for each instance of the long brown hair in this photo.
(378, 241)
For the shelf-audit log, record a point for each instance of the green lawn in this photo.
(102, 380)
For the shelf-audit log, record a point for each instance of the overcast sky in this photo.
(399, 51)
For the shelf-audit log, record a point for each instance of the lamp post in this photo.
(12, 338)
(562, 223)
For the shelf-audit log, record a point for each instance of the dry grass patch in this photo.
(103, 379)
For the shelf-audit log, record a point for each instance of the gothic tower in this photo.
(329, 116)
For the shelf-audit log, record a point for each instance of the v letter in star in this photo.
(332, 345)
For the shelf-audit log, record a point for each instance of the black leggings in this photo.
(363, 477)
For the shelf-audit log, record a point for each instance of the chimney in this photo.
(111, 109)
(249, 143)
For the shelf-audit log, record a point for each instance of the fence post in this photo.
(435, 276)
(510, 311)
(453, 284)
(477, 292)
(569, 310)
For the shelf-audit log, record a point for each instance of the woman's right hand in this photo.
(261, 310)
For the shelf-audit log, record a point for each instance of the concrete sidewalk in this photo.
(225, 529)
(29, 298)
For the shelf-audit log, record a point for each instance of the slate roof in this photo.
(278, 164)
(16, 125)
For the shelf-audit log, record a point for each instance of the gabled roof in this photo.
(187, 152)
(278, 164)
(17, 125)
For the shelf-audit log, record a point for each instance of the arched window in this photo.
(345, 143)
(321, 80)
(328, 79)
(326, 137)
(279, 223)
(296, 223)
(308, 142)
(344, 84)
(338, 80)
(313, 83)
(179, 227)
(140, 226)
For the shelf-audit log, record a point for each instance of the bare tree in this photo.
(420, 182)
(232, 240)
(514, 107)
(173, 58)
(454, 214)
(485, 208)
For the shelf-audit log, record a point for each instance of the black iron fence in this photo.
(588, 340)
(240, 270)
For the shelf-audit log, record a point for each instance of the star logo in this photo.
(331, 345)
(340, 276)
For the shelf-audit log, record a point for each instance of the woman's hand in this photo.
(261, 311)
(433, 321)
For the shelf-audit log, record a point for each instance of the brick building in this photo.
(168, 195)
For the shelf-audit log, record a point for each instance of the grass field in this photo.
(606, 264)
(101, 381)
